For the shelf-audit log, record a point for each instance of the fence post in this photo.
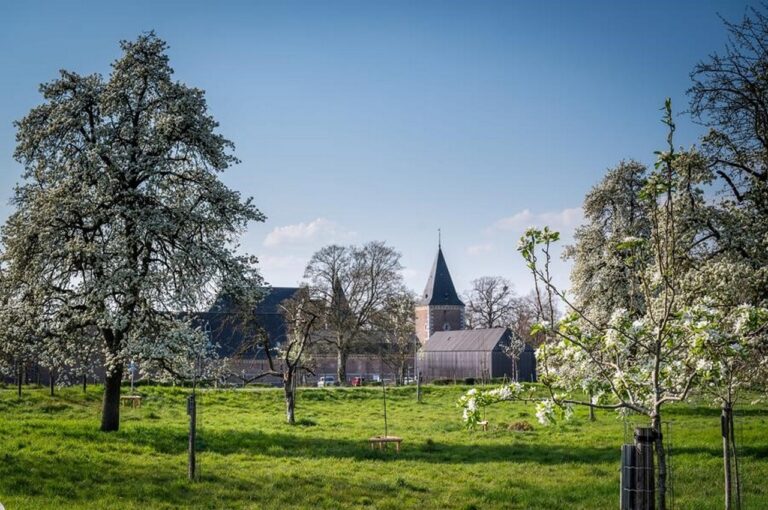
(644, 441)
(418, 386)
(192, 412)
(627, 496)
(637, 472)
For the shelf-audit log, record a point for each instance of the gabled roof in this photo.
(270, 301)
(273, 299)
(467, 340)
(440, 289)
(227, 328)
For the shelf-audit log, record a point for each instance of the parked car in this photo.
(358, 381)
(326, 380)
(409, 380)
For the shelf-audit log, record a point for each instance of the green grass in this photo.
(53, 456)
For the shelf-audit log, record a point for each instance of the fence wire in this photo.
(631, 422)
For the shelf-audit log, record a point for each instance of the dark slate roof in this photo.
(272, 300)
(440, 289)
(230, 334)
(467, 340)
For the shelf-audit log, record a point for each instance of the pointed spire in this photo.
(338, 298)
(440, 289)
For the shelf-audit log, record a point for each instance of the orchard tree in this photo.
(397, 323)
(613, 210)
(731, 346)
(355, 283)
(121, 222)
(19, 343)
(729, 95)
(291, 357)
(527, 311)
(302, 315)
(637, 362)
(490, 303)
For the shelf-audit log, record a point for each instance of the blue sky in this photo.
(362, 120)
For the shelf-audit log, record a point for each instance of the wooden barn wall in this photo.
(455, 365)
(526, 366)
(502, 365)
(477, 364)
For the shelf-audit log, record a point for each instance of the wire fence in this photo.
(645, 485)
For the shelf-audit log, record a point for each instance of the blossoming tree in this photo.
(121, 222)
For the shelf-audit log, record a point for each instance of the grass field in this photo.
(53, 456)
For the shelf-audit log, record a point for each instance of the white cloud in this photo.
(477, 249)
(283, 270)
(318, 230)
(565, 220)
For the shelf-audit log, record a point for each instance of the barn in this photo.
(473, 353)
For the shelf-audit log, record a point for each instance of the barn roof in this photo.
(466, 340)
(440, 289)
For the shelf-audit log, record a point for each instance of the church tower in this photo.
(439, 307)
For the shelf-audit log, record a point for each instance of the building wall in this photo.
(454, 365)
(368, 366)
(431, 318)
(422, 324)
(476, 364)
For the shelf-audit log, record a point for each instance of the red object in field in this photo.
(357, 381)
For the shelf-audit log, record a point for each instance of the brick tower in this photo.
(439, 307)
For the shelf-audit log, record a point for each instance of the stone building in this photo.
(439, 307)
(448, 350)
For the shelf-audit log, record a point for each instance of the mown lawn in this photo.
(53, 456)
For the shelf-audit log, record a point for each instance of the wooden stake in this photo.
(192, 412)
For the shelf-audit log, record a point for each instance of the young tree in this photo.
(355, 283)
(287, 357)
(301, 315)
(638, 363)
(490, 303)
(731, 344)
(513, 351)
(397, 322)
(122, 222)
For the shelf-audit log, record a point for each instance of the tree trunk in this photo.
(290, 398)
(661, 455)
(51, 381)
(725, 429)
(341, 367)
(591, 409)
(110, 412)
(85, 383)
(403, 371)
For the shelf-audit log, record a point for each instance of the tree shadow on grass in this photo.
(714, 412)
(70, 481)
(173, 441)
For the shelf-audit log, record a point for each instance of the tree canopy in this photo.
(121, 222)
